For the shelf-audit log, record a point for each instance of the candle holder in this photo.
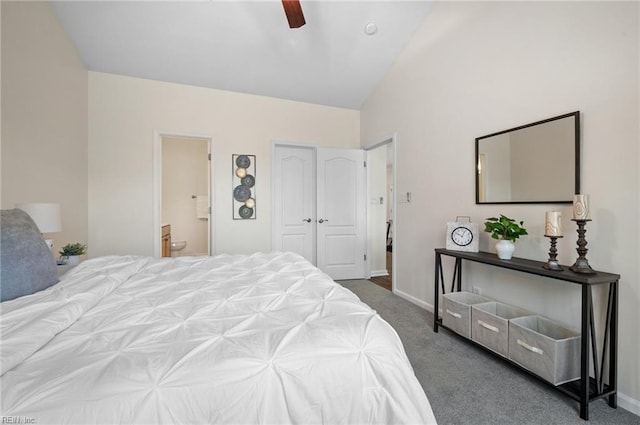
(581, 265)
(552, 263)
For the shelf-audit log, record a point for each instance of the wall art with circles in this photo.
(244, 186)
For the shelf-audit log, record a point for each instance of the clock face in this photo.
(461, 236)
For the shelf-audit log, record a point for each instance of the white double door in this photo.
(319, 207)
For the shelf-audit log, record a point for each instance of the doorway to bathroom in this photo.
(184, 194)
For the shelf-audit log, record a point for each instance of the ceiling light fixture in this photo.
(371, 28)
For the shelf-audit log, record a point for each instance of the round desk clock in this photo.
(462, 236)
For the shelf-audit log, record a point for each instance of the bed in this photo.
(234, 339)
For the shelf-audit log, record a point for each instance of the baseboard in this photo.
(413, 300)
(379, 273)
(628, 403)
(624, 401)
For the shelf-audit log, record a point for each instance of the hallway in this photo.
(385, 281)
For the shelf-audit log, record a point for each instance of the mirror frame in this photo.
(576, 116)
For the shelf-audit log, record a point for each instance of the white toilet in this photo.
(176, 247)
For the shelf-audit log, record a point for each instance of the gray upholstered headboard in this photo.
(26, 262)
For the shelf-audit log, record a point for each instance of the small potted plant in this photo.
(507, 231)
(72, 253)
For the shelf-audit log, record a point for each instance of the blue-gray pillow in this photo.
(26, 262)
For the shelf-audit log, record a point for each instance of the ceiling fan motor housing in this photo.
(293, 10)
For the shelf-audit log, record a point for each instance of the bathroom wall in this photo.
(185, 174)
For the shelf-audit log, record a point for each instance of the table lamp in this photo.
(46, 216)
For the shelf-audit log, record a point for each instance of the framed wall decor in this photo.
(244, 186)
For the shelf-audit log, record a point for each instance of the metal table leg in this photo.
(436, 294)
(613, 343)
(584, 353)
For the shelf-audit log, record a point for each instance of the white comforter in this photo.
(265, 338)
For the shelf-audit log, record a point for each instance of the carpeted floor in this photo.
(467, 385)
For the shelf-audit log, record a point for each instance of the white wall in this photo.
(44, 117)
(124, 112)
(479, 67)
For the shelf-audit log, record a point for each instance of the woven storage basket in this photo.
(456, 311)
(546, 348)
(490, 325)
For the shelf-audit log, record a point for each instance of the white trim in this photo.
(394, 269)
(279, 142)
(628, 403)
(379, 273)
(382, 142)
(157, 192)
(414, 300)
(157, 185)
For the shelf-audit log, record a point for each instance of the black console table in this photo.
(586, 389)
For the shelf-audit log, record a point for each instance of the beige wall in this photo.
(124, 112)
(478, 67)
(44, 117)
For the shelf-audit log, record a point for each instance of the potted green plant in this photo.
(507, 231)
(72, 253)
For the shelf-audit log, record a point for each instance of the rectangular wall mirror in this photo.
(533, 163)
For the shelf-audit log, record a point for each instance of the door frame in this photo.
(157, 186)
(385, 141)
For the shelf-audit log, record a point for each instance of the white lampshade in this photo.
(46, 216)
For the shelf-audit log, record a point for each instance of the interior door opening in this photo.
(380, 212)
(183, 195)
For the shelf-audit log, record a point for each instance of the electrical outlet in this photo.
(476, 290)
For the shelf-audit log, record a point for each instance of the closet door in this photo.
(319, 207)
(341, 213)
(294, 219)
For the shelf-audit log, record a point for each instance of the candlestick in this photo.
(552, 226)
(552, 263)
(581, 207)
(581, 265)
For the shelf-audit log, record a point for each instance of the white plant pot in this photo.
(73, 260)
(505, 249)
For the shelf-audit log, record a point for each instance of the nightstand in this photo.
(63, 268)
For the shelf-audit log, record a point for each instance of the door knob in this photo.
(308, 220)
(322, 221)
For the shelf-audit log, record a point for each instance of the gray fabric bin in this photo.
(490, 325)
(456, 311)
(545, 348)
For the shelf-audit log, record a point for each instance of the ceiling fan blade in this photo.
(293, 10)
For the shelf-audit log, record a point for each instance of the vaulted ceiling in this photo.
(247, 46)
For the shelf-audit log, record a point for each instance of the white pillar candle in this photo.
(553, 225)
(580, 207)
